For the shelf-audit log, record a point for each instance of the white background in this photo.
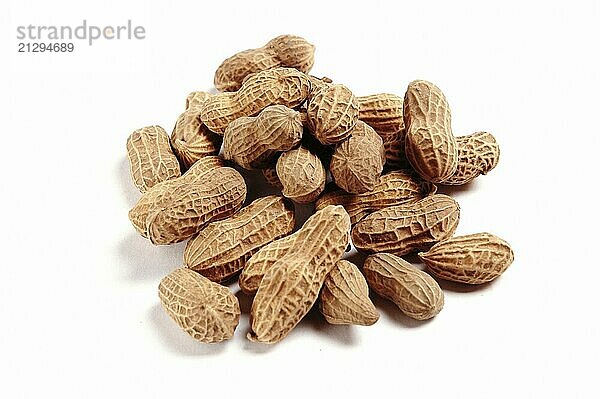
(80, 316)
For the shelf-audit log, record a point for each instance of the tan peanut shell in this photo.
(253, 142)
(174, 212)
(415, 292)
(430, 145)
(205, 310)
(191, 139)
(151, 160)
(407, 228)
(278, 86)
(291, 285)
(358, 161)
(332, 112)
(302, 175)
(221, 249)
(394, 188)
(472, 259)
(282, 51)
(344, 298)
(478, 153)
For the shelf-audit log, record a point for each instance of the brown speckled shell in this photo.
(358, 161)
(191, 139)
(332, 113)
(344, 298)
(403, 229)
(291, 285)
(278, 86)
(415, 292)
(205, 310)
(302, 175)
(253, 142)
(430, 145)
(472, 259)
(394, 188)
(282, 51)
(222, 248)
(151, 160)
(478, 153)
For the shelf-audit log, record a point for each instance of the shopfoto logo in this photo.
(85, 31)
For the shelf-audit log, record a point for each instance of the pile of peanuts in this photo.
(384, 156)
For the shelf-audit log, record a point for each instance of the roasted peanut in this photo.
(175, 212)
(205, 310)
(332, 112)
(279, 86)
(415, 292)
(407, 228)
(430, 145)
(358, 161)
(150, 157)
(282, 51)
(344, 298)
(191, 139)
(302, 175)
(253, 142)
(222, 248)
(291, 285)
(394, 188)
(472, 259)
(478, 153)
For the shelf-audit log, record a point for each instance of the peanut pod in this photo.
(478, 153)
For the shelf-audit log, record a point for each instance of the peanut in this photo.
(478, 153)
(407, 228)
(222, 248)
(415, 292)
(430, 145)
(174, 212)
(252, 142)
(282, 51)
(291, 285)
(191, 139)
(279, 86)
(151, 160)
(394, 188)
(472, 259)
(358, 161)
(332, 112)
(302, 175)
(344, 298)
(270, 175)
(205, 310)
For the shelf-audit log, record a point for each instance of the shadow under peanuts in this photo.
(462, 287)
(341, 334)
(393, 312)
(143, 261)
(177, 340)
(454, 190)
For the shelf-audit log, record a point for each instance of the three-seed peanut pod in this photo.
(407, 228)
(471, 259)
(253, 142)
(415, 292)
(221, 249)
(283, 51)
(278, 86)
(358, 161)
(291, 285)
(151, 160)
(191, 139)
(430, 145)
(344, 298)
(174, 211)
(394, 188)
(332, 112)
(301, 174)
(205, 310)
(478, 153)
